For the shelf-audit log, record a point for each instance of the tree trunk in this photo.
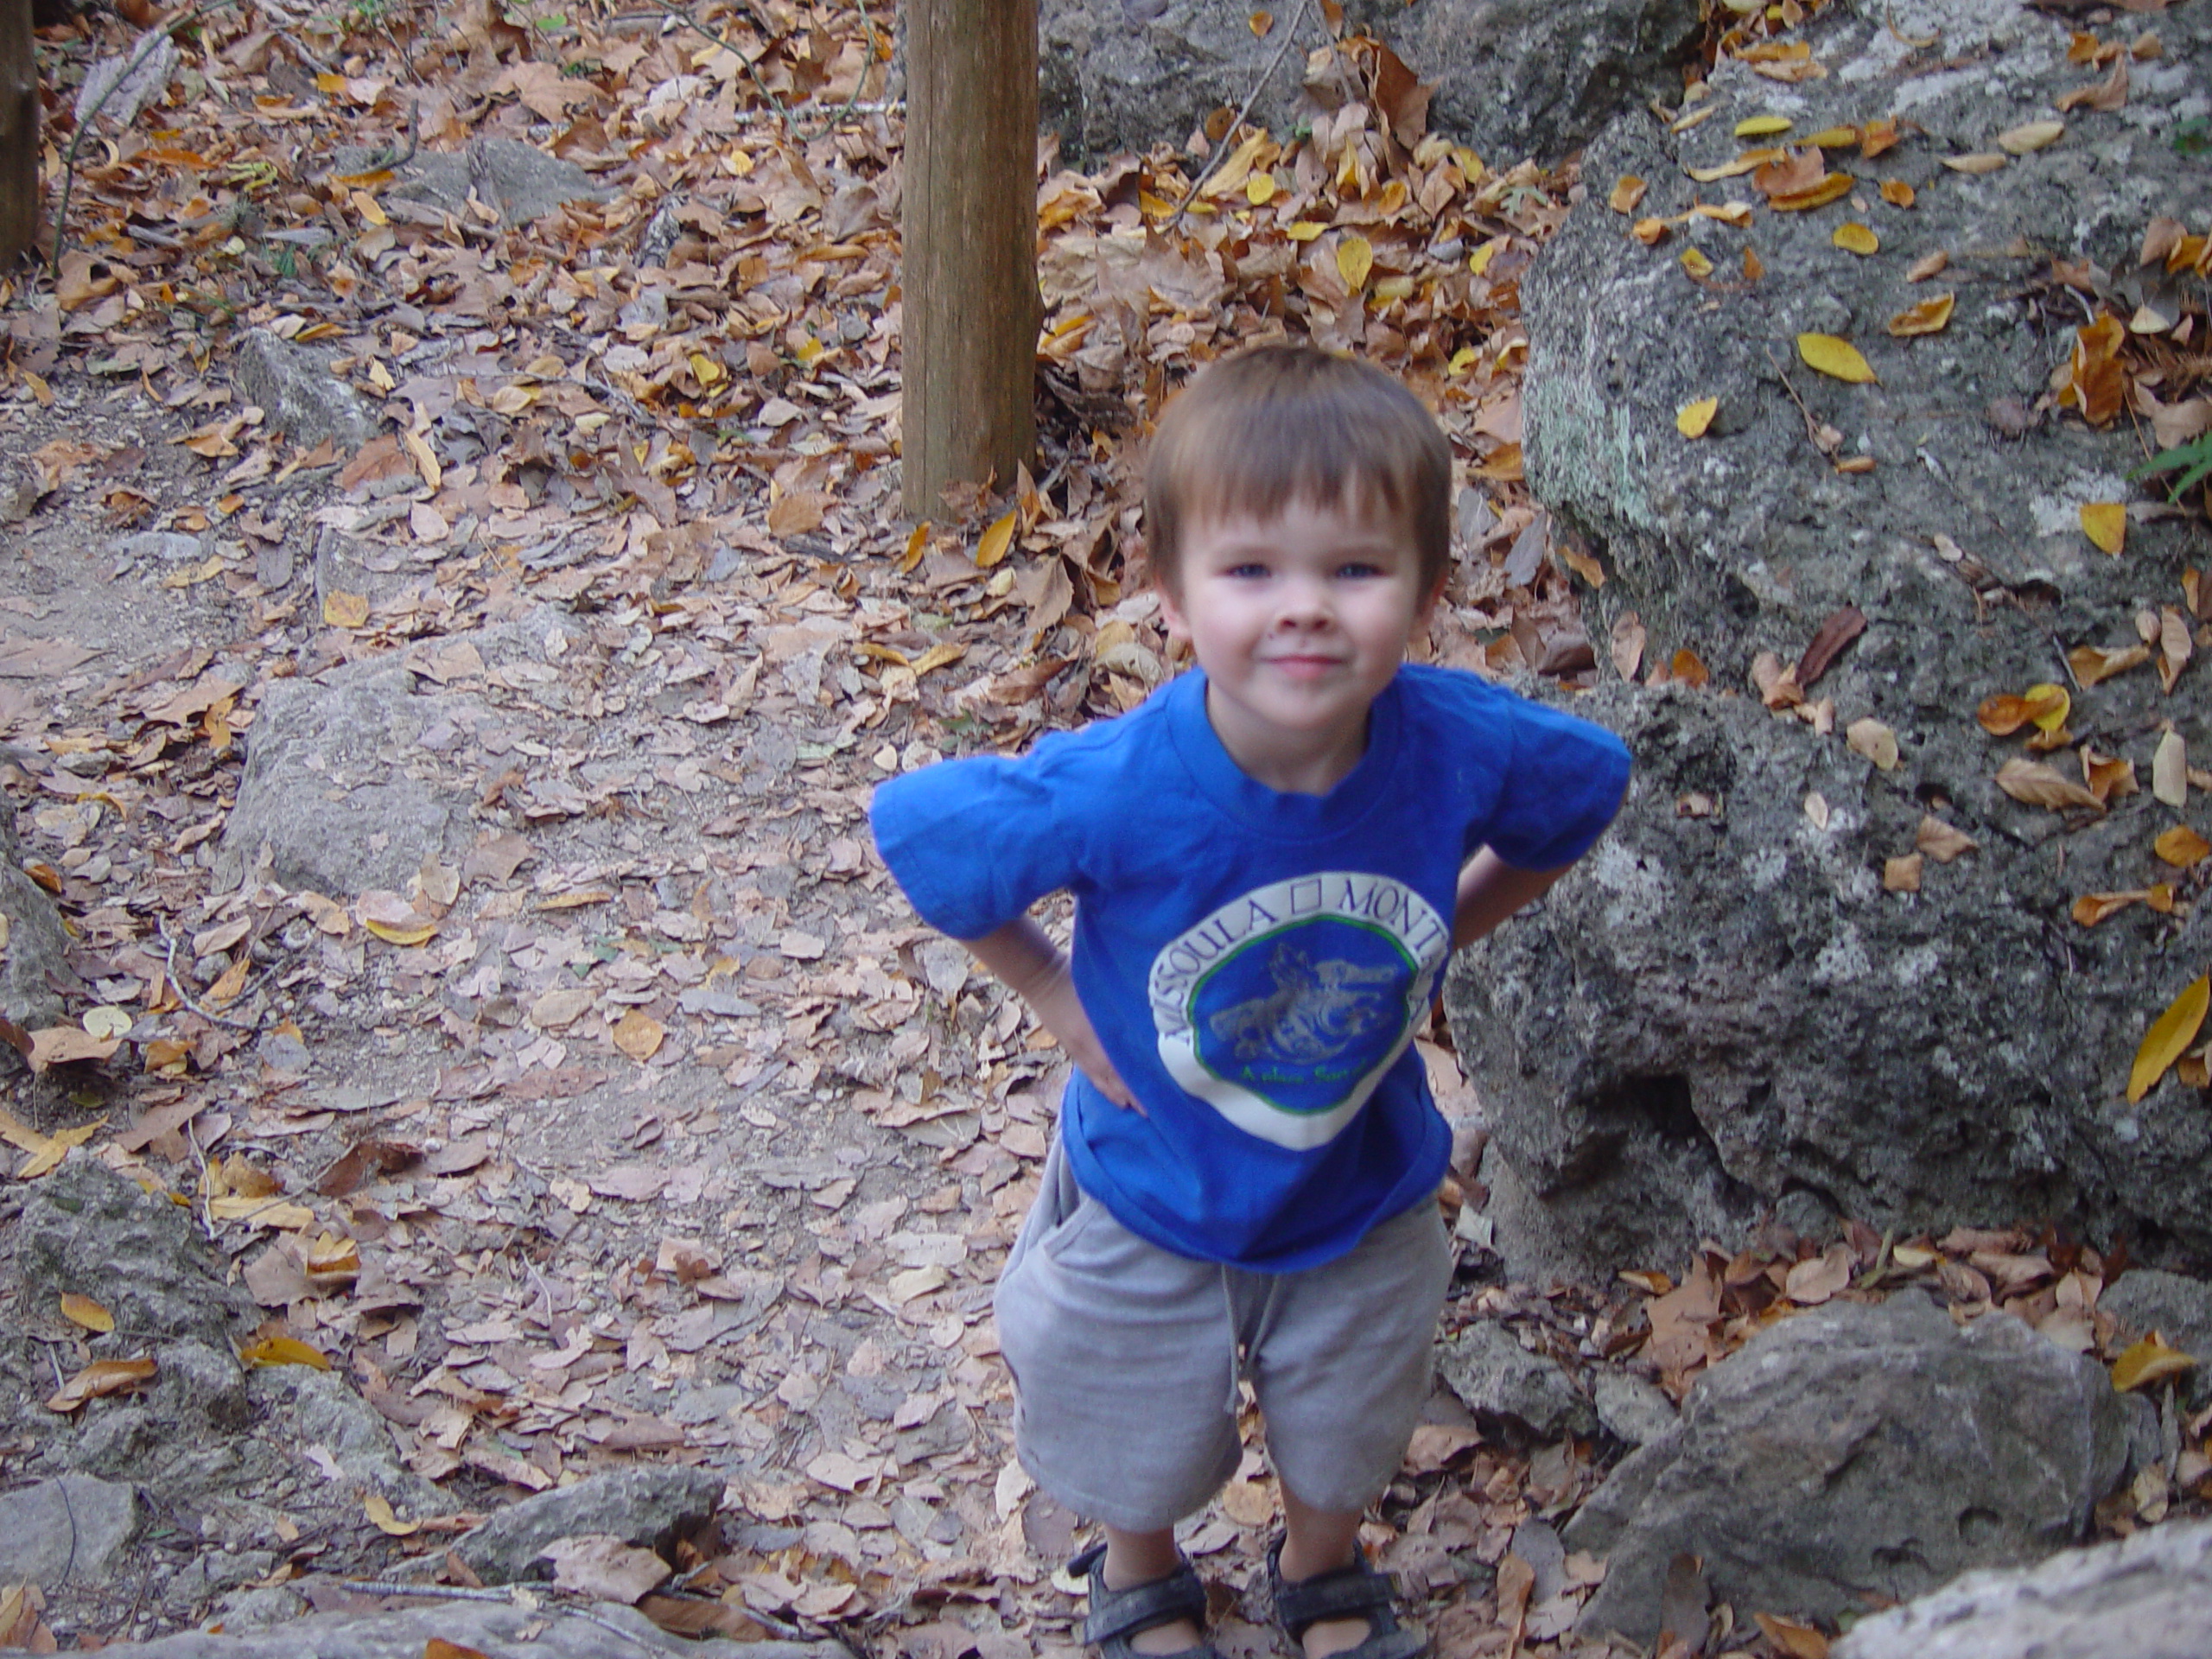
(970, 215)
(19, 194)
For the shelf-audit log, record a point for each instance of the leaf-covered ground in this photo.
(651, 1125)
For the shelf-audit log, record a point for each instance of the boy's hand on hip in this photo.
(1019, 954)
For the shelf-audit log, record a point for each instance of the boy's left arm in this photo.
(1490, 890)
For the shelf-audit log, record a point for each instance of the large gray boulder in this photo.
(1854, 1451)
(298, 395)
(2146, 1597)
(646, 1506)
(1726, 1011)
(1513, 77)
(498, 1632)
(35, 953)
(1530, 1395)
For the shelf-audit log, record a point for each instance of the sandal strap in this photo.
(1357, 1591)
(1116, 1613)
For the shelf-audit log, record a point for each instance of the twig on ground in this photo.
(300, 52)
(1221, 150)
(184, 996)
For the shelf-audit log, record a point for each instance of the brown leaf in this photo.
(1627, 645)
(2182, 847)
(1942, 842)
(101, 1377)
(1828, 644)
(2094, 907)
(2035, 784)
(1902, 874)
(2092, 665)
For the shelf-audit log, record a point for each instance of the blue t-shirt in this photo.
(1256, 964)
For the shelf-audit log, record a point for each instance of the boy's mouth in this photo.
(1305, 665)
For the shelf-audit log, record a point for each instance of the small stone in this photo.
(1630, 1409)
(1496, 1377)
(164, 544)
(646, 1506)
(298, 394)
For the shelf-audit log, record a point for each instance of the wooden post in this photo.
(969, 222)
(19, 193)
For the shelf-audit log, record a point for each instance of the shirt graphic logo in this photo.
(1285, 1008)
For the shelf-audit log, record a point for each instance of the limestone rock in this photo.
(1513, 77)
(1630, 1409)
(2177, 1308)
(498, 1632)
(335, 788)
(1726, 1009)
(1496, 1377)
(67, 1530)
(1858, 1450)
(644, 1506)
(2144, 1597)
(299, 395)
(35, 957)
(519, 181)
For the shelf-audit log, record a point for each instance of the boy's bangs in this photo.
(1313, 456)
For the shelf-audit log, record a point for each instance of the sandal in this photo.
(1354, 1591)
(1117, 1615)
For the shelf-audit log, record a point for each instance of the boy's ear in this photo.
(1430, 601)
(1170, 613)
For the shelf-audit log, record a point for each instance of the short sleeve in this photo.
(1563, 783)
(973, 842)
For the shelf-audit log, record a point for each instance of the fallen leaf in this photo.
(603, 1566)
(2030, 137)
(84, 1311)
(997, 540)
(1763, 126)
(285, 1350)
(1696, 264)
(1854, 238)
(1876, 741)
(2105, 523)
(638, 1034)
(1791, 1639)
(1927, 265)
(2034, 784)
(390, 934)
(2170, 1036)
(2182, 847)
(102, 1376)
(1835, 357)
(1828, 643)
(1930, 316)
(1689, 668)
(2092, 665)
(1355, 261)
(2149, 1361)
(2094, 907)
(1898, 193)
(1628, 191)
(68, 1046)
(1902, 874)
(1942, 842)
(378, 1507)
(1649, 232)
(1626, 645)
(344, 610)
(1980, 162)
(1692, 419)
(2169, 771)
(2108, 94)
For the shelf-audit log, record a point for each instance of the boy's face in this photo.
(1299, 620)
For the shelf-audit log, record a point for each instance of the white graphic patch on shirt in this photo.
(1284, 1008)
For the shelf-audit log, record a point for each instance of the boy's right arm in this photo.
(1021, 955)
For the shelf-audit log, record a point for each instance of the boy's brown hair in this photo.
(1279, 423)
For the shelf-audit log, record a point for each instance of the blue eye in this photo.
(1359, 570)
(1251, 569)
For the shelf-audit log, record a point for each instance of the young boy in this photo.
(1271, 860)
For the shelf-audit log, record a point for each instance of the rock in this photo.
(304, 1408)
(1543, 79)
(2178, 1309)
(87, 1230)
(1630, 1409)
(168, 546)
(494, 1631)
(646, 1506)
(1857, 1450)
(519, 181)
(1497, 1379)
(2144, 1597)
(297, 392)
(36, 959)
(65, 1531)
(1726, 1008)
(335, 788)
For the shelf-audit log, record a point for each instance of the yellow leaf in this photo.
(1754, 267)
(1791, 1639)
(402, 936)
(1832, 188)
(2094, 907)
(997, 541)
(2149, 1361)
(1750, 161)
(2048, 705)
(379, 1511)
(2170, 1035)
(938, 656)
(1691, 420)
(1305, 230)
(1931, 316)
(47, 1152)
(1478, 261)
(101, 1377)
(1696, 264)
(1835, 357)
(1462, 360)
(82, 1310)
(285, 1350)
(706, 371)
(1764, 126)
(2182, 847)
(1738, 214)
(1628, 191)
(1261, 22)
(2105, 523)
(2036, 135)
(916, 545)
(1834, 138)
(1260, 189)
(1649, 232)
(638, 1034)
(1898, 193)
(1854, 238)
(344, 610)
(1354, 260)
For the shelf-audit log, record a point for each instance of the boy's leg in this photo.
(1342, 1362)
(1134, 1557)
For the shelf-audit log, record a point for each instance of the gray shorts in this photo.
(1126, 1359)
